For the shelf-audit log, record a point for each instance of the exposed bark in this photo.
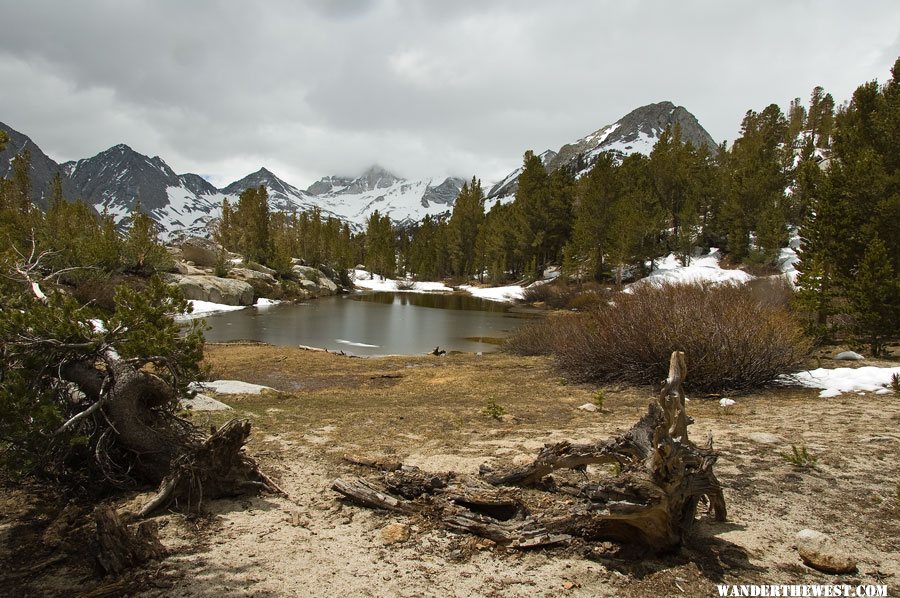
(660, 479)
(119, 548)
(216, 468)
(164, 450)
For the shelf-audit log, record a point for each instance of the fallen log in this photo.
(660, 479)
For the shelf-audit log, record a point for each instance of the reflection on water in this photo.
(374, 323)
(434, 300)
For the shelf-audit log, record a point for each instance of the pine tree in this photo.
(141, 251)
(465, 220)
(21, 179)
(252, 221)
(596, 194)
(874, 296)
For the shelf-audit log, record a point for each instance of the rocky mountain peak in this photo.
(636, 132)
(376, 177)
(43, 168)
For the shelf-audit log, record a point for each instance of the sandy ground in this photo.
(428, 412)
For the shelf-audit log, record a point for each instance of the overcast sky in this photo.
(306, 89)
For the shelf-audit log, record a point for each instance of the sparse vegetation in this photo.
(800, 457)
(732, 339)
(599, 398)
(895, 384)
(493, 409)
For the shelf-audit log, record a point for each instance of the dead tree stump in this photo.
(119, 548)
(651, 499)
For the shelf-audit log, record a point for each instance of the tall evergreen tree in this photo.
(874, 296)
(465, 221)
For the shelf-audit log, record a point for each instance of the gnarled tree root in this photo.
(216, 468)
(651, 500)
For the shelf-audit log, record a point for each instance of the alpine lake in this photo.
(376, 323)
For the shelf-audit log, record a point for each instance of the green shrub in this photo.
(800, 457)
(731, 338)
(493, 409)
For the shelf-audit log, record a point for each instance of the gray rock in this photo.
(588, 407)
(260, 268)
(202, 252)
(217, 290)
(314, 280)
(849, 356)
(186, 269)
(202, 402)
(247, 275)
(264, 285)
(822, 553)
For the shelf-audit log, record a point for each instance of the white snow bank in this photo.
(789, 257)
(374, 282)
(262, 302)
(206, 308)
(840, 380)
(230, 387)
(701, 269)
(509, 293)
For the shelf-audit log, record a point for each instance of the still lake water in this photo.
(375, 323)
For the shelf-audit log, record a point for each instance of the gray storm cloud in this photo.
(316, 88)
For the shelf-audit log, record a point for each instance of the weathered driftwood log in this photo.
(661, 478)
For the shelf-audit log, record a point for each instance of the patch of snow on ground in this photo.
(206, 308)
(788, 257)
(726, 402)
(374, 282)
(230, 387)
(509, 293)
(263, 302)
(836, 381)
(701, 269)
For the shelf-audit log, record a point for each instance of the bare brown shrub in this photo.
(562, 295)
(732, 339)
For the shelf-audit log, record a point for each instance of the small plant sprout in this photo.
(599, 398)
(493, 409)
(800, 457)
(895, 384)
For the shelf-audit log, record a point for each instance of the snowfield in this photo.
(701, 269)
(837, 381)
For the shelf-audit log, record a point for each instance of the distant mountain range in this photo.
(116, 179)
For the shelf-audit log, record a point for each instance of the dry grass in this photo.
(375, 399)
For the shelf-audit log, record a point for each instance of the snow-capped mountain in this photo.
(283, 197)
(636, 132)
(115, 180)
(405, 201)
